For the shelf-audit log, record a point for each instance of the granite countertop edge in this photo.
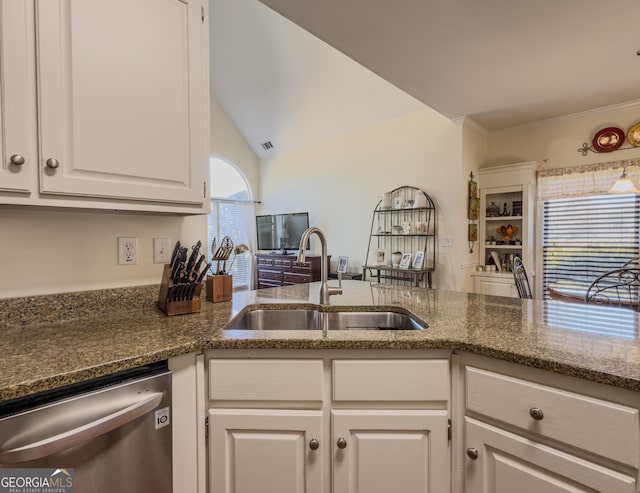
(175, 336)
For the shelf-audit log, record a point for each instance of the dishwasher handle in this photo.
(62, 441)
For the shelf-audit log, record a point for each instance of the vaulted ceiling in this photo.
(502, 63)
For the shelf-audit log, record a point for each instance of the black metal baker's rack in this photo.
(384, 237)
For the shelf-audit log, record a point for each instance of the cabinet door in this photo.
(387, 451)
(496, 287)
(120, 99)
(506, 463)
(266, 451)
(17, 98)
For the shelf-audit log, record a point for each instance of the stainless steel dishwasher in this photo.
(109, 434)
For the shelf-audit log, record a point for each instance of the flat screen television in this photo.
(281, 231)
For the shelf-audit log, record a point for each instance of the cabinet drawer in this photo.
(271, 275)
(268, 284)
(258, 380)
(391, 380)
(265, 261)
(295, 278)
(301, 266)
(594, 425)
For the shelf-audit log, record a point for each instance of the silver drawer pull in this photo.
(536, 413)
(341, 443)
(17, 159)
(472, 453)
(314, 444)
(52, 163)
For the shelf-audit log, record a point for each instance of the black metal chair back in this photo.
(521, 279)
(618, 287)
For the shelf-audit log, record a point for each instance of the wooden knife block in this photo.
(192, 305)
(219, 288)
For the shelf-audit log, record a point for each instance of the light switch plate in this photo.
(161, 250)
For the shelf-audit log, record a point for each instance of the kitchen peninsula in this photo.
(501, 346)
(48, 341)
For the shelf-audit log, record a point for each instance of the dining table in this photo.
(568, 290)
(575, 291)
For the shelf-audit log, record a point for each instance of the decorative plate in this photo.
(608, 139)
(633, 135)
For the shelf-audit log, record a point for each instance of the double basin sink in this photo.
(311, 319)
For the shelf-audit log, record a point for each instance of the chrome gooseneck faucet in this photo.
(325, 290)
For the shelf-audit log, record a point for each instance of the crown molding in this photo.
(465, 119)
(576, 116)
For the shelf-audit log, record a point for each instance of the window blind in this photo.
(584, 237)
(233, 219)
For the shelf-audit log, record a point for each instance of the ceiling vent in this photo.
(267, 145)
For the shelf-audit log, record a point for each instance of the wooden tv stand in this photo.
(275, 269)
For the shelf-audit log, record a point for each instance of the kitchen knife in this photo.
(203, 272)
(174, 255)
(194, 256)
(196, 269)
(175, 273)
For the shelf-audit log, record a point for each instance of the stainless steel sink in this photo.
(261, 319)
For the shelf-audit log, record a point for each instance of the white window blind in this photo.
(233, 215)
(587, 233)
(235, 220)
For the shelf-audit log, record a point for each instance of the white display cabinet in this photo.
(507, 197)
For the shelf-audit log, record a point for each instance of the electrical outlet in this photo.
(161, 250)
(127, 250)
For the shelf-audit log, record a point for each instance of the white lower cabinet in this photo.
(531, 431)
(287, 421)
(503, 462)
(265, 451)
(386, 451)
(327, 423)
(495, 284)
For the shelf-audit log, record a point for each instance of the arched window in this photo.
(233, 215)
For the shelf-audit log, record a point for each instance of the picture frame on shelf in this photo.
(343, 262)
(380, 257)
(418, 260)
(405, 262)
(398, 203)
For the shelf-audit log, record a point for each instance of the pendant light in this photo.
(624, 184)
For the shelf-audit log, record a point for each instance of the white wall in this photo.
(47, 250)
(474, 150)
(557, 140)
(227, 143)
(339, 182)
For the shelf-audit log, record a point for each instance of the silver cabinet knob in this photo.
(536, 413)
(342, 443)
(52, 163)
(314, 444)
(17, 159)
(472, 453)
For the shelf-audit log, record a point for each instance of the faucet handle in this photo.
(340, 279)
(336, 290)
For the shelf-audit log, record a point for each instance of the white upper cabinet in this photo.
(17, 98)
(122, 116)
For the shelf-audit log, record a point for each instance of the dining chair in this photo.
(521, 279)
(618, 287)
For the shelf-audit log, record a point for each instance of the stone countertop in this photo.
(51, 341)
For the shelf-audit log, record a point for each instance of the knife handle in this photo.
(203, 272)
(199, 264)
(174, 255)
(175, 273)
